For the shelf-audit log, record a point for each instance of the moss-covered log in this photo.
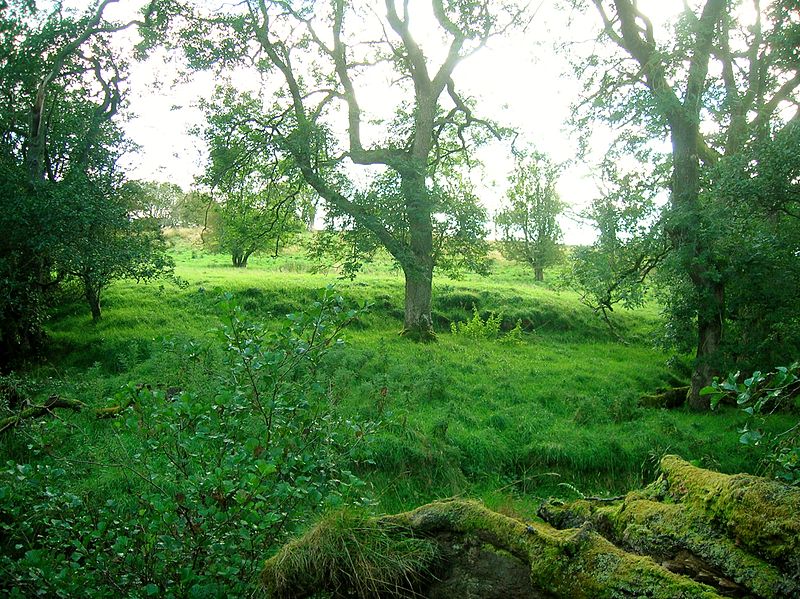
(739, 533)
(692, 533)
(34, 411)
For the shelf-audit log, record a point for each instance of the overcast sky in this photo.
(519, 81)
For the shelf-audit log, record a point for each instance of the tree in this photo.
(261, 196)
(528, 221)
(157, 200)
(327, 55)
(631, 243)
(106, 241)
(717, 87)
(63, 84)
(244, 222)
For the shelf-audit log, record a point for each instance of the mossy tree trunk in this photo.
(692, 533)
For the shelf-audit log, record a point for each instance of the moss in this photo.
(679, 515)
(568, 563)
(759, 514)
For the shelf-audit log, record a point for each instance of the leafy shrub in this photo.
(489, 328)
(477, 327)
(758, 396)
(207, 485)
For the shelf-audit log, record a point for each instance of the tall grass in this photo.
(554, 413)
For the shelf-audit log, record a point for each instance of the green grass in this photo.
(555, 414)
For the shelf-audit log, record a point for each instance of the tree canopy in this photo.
(720, 86)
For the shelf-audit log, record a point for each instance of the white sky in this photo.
(519, 81)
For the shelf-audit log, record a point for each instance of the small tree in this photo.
(244, 222)
(528, 222)
(631, 243)
(261, 196)
(106, 242)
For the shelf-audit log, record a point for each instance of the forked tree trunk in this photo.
(239, 258)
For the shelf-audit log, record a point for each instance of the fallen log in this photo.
(53, 402)
(738, 533)
(686, 535)
(56, 401)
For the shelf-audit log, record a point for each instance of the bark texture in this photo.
(692, 533)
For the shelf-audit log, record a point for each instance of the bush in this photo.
(758, 396)
(208, 484)
(489, 328)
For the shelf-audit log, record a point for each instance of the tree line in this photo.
(720, 84)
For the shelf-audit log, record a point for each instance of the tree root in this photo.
(668, 398)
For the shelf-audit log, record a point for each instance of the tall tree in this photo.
(63, 84)
(714, 87)
(528, 221)
(331, 58)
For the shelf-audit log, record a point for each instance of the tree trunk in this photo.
(418, 268)
(239, 259)
(539, 273)
(710, 328)
(417, 323)
(696, 261)
(92, 293)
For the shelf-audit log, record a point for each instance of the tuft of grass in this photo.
(347, 550)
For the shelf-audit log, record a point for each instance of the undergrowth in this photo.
(554, 413)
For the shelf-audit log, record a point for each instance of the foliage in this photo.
(760, 395)
(630, 245)
(260, 197)
(528, 221)
(458, 227)
(477, 327)
(166, 203)
(211, 481)
(59, 147)
(716, 84)
(489, 328)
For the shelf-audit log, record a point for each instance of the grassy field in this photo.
(553, 413)
(512, 421)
